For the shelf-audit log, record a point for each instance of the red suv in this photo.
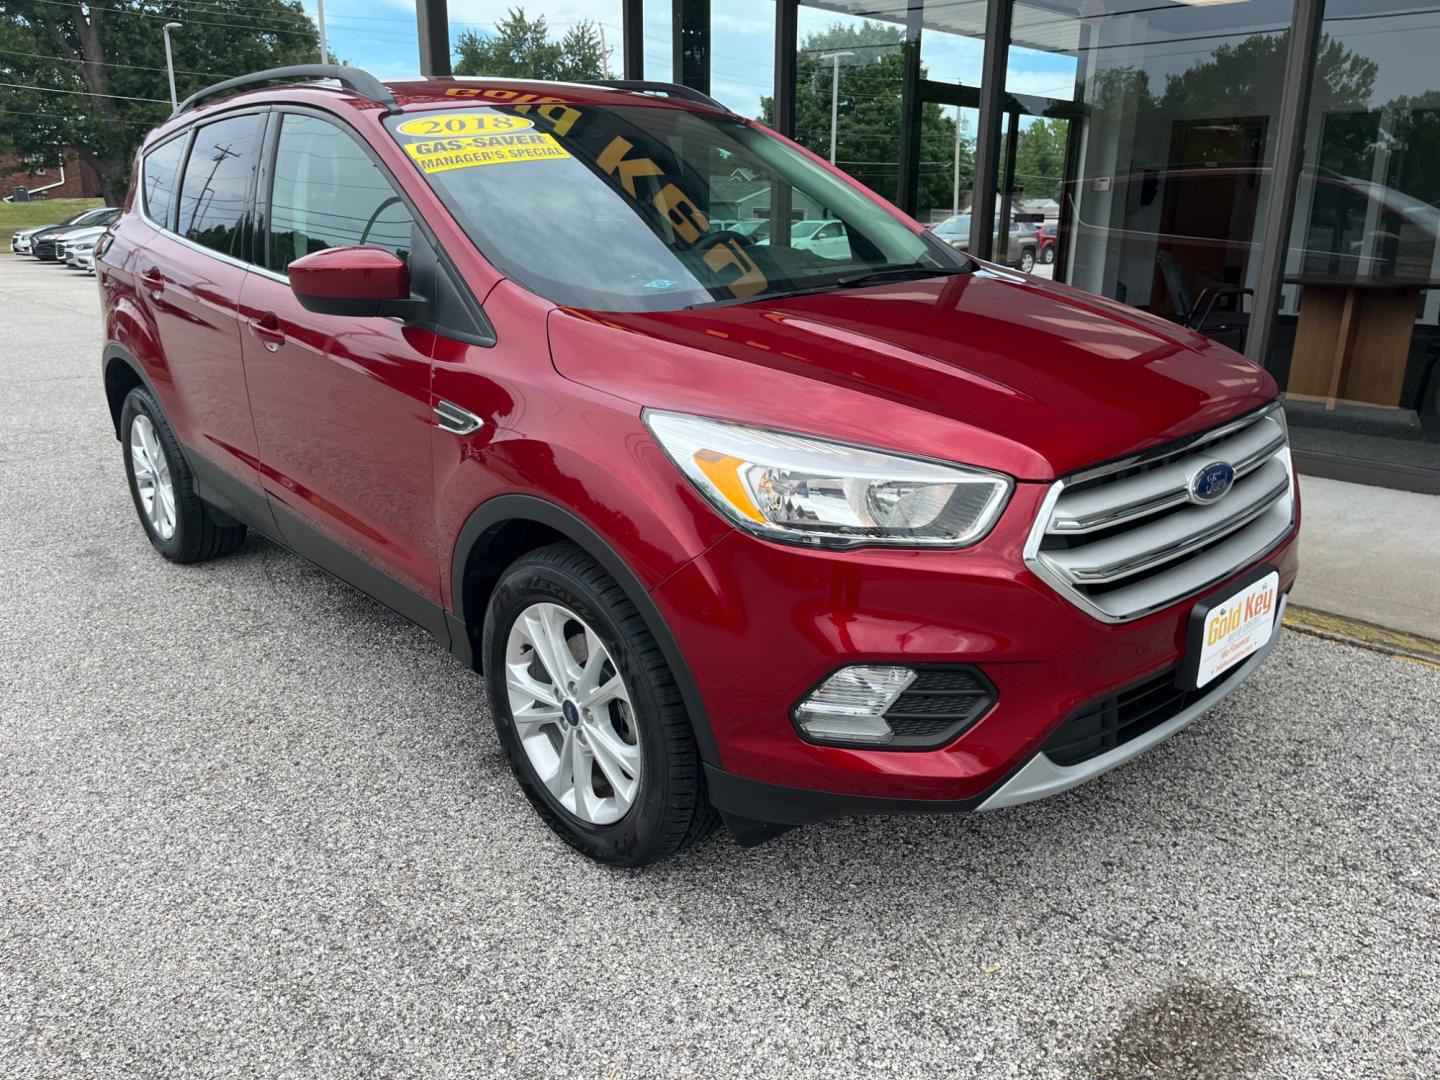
(730, 526)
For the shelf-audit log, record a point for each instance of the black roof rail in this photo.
(675, 90)
(352, 78)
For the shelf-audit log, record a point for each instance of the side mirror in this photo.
(362, 281)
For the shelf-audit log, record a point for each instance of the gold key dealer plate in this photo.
(1224, 631)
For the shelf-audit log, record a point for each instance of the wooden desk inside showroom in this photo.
(1352, 341)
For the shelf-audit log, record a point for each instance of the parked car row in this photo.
(71, 241)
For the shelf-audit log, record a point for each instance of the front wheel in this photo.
(1027, 260)
(588, 712)
(1047, 256)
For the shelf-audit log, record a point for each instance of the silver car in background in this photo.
(1022, 251)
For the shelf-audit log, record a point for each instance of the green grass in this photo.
(22, 215)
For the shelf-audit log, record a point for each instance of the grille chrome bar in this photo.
(1093, 507)
(1124, 540)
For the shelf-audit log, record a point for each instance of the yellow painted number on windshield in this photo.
(463, 124)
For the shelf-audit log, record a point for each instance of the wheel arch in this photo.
(504, 528)
(122, 373)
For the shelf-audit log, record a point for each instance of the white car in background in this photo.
(820, 236)
(69, 243)
(824, 237)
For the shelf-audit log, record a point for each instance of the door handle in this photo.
(267, 329)
(154, 282)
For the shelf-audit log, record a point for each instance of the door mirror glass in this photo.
(361, 281)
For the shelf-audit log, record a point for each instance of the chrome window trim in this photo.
(1039, 529)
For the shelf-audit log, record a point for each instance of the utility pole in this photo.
(320, 19)
(834, 96)
(959, 129)
(170, 61)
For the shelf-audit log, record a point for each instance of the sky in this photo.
(380, 35)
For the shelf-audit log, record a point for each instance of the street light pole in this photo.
(170, 62)
(834, 96)
(320, 18)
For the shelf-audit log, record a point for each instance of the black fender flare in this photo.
(516, 507)
(114, 352)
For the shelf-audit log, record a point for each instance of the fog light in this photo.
(850, 705)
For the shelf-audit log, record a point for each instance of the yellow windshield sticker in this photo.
(464, 123)
(442, 155)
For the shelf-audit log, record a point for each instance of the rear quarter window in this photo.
(160, 175)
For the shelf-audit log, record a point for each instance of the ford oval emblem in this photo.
(1211, 482)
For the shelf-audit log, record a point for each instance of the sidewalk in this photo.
(1370, 554)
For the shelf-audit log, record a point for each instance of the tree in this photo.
(94, 74)
(868, 131)
(521, 48)
(1040, 157)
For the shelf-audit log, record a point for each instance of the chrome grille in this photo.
(1125, 539)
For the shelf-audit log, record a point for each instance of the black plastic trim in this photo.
(219, 489)
(506, 508)
(310, 544)
(759, 801)
(289, 530)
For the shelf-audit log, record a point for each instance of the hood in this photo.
(85, 232)
(987, 368)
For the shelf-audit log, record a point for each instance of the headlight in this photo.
(799, 488)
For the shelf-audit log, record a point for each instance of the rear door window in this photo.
(215, 194)
(328, 193)
(162, 178)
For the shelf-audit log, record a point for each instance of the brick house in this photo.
(81, 180)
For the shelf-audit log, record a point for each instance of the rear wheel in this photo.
(179, 524)
(588, 711)
(1048, 255)
(1027, 260)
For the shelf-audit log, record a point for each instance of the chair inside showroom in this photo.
(1199, 312)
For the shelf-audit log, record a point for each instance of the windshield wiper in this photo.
(898, 273)
(848, 281)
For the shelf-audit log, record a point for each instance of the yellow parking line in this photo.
(1397, 643)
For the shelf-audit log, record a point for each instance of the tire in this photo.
(193, 533)
(1047, 256)
(562, 589)
(1027, 260)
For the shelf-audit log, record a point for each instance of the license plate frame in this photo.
(1203, 662)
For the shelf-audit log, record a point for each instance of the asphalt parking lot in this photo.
(254, 825)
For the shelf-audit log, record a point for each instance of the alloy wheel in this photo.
(152, 476)
(572, 713)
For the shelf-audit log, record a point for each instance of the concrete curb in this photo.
(1323, 624)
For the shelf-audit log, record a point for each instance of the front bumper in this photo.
(762, 623)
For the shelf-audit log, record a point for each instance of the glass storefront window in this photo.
(864, 56)
(742, 55)
(1168, 142)
(1355, 344)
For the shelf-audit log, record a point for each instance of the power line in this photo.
(58, 119)
(83, 93)
(104, 63)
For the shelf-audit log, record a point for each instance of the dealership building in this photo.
(1266, 171)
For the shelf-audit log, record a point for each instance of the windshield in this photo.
(647, 208)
